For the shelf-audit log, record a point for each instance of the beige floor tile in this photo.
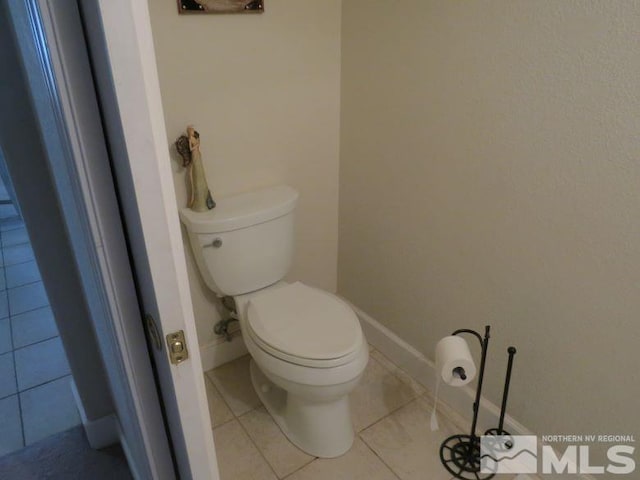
(405, 442)
(218, 410)
(398, 372)
(283, 456)
(454, 417)
(234, 384)
(238, 458)
(359, 463)
(378, 393)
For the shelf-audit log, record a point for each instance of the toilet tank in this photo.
(246, 242)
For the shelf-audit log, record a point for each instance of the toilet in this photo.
(307, 349)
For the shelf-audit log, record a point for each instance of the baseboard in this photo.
(220, 351)
(101, 432)
(421, 369)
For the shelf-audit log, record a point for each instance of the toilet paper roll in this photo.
(453, 361)
(452, 358)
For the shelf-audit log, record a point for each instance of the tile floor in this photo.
(35, 390)
(391, 416)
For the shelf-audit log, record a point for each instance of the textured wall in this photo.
(264, 92)
(489, 173)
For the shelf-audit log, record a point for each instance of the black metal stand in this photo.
(460, 454)
(503, 440)
(505, 394)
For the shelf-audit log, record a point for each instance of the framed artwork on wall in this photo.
(221, 6)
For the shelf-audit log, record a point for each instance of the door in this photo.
(121, 46)
(51, 45)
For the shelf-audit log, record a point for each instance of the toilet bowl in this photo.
(303, 375)
(307, 348)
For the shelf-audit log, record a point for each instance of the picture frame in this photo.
(220, 6)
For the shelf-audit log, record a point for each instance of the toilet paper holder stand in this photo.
(460, 454)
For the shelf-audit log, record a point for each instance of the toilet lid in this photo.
(304, 323)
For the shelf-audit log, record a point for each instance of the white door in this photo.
(122, 53)
(127, 88)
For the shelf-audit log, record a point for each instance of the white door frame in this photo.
(57, 157)
(121, 45)
(135, 127)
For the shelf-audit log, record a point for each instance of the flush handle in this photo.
(217, 242)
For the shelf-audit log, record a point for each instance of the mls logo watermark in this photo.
(508, 454)
(519, 454)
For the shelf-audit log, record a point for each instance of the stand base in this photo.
(460, 455)
(505, 436)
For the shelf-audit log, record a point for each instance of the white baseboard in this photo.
(101, 432)
(421, 369)
(216, 353)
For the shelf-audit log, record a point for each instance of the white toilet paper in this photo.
(453, 353)
(453, 357)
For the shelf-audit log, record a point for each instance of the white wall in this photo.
(264, 92)
(489, 173)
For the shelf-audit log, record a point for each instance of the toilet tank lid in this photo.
(242, 210)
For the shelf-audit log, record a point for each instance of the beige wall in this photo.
(264, 92)
(489, 172)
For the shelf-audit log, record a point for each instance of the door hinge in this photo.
(178, 352)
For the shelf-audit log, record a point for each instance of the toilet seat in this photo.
(304, 326)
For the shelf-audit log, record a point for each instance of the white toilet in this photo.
(308, 350)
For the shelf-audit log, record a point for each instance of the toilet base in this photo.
(322, 429)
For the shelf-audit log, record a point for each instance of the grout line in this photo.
(6, 267)
(15, 372)
(394, 410)
(300, 468)
(207, 379)
(359, 434)
(30, 310)
(10, 395)
(313, 458)
(394, 372)
(23, 285)
(21, 262)
(255, 444)
(16, 244)
(7, 228)
(45, 383)
(379, 457)
(21, 413)
(11, 317)
(36, 343)
(223, 423)
(237, 419)
(13, 352)
(387, 415)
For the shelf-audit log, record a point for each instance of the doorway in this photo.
(36, 398)
(56, 150)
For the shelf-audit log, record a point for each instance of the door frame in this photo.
(122, 53)
(134, 128)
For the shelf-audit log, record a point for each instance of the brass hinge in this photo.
(178, 352)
